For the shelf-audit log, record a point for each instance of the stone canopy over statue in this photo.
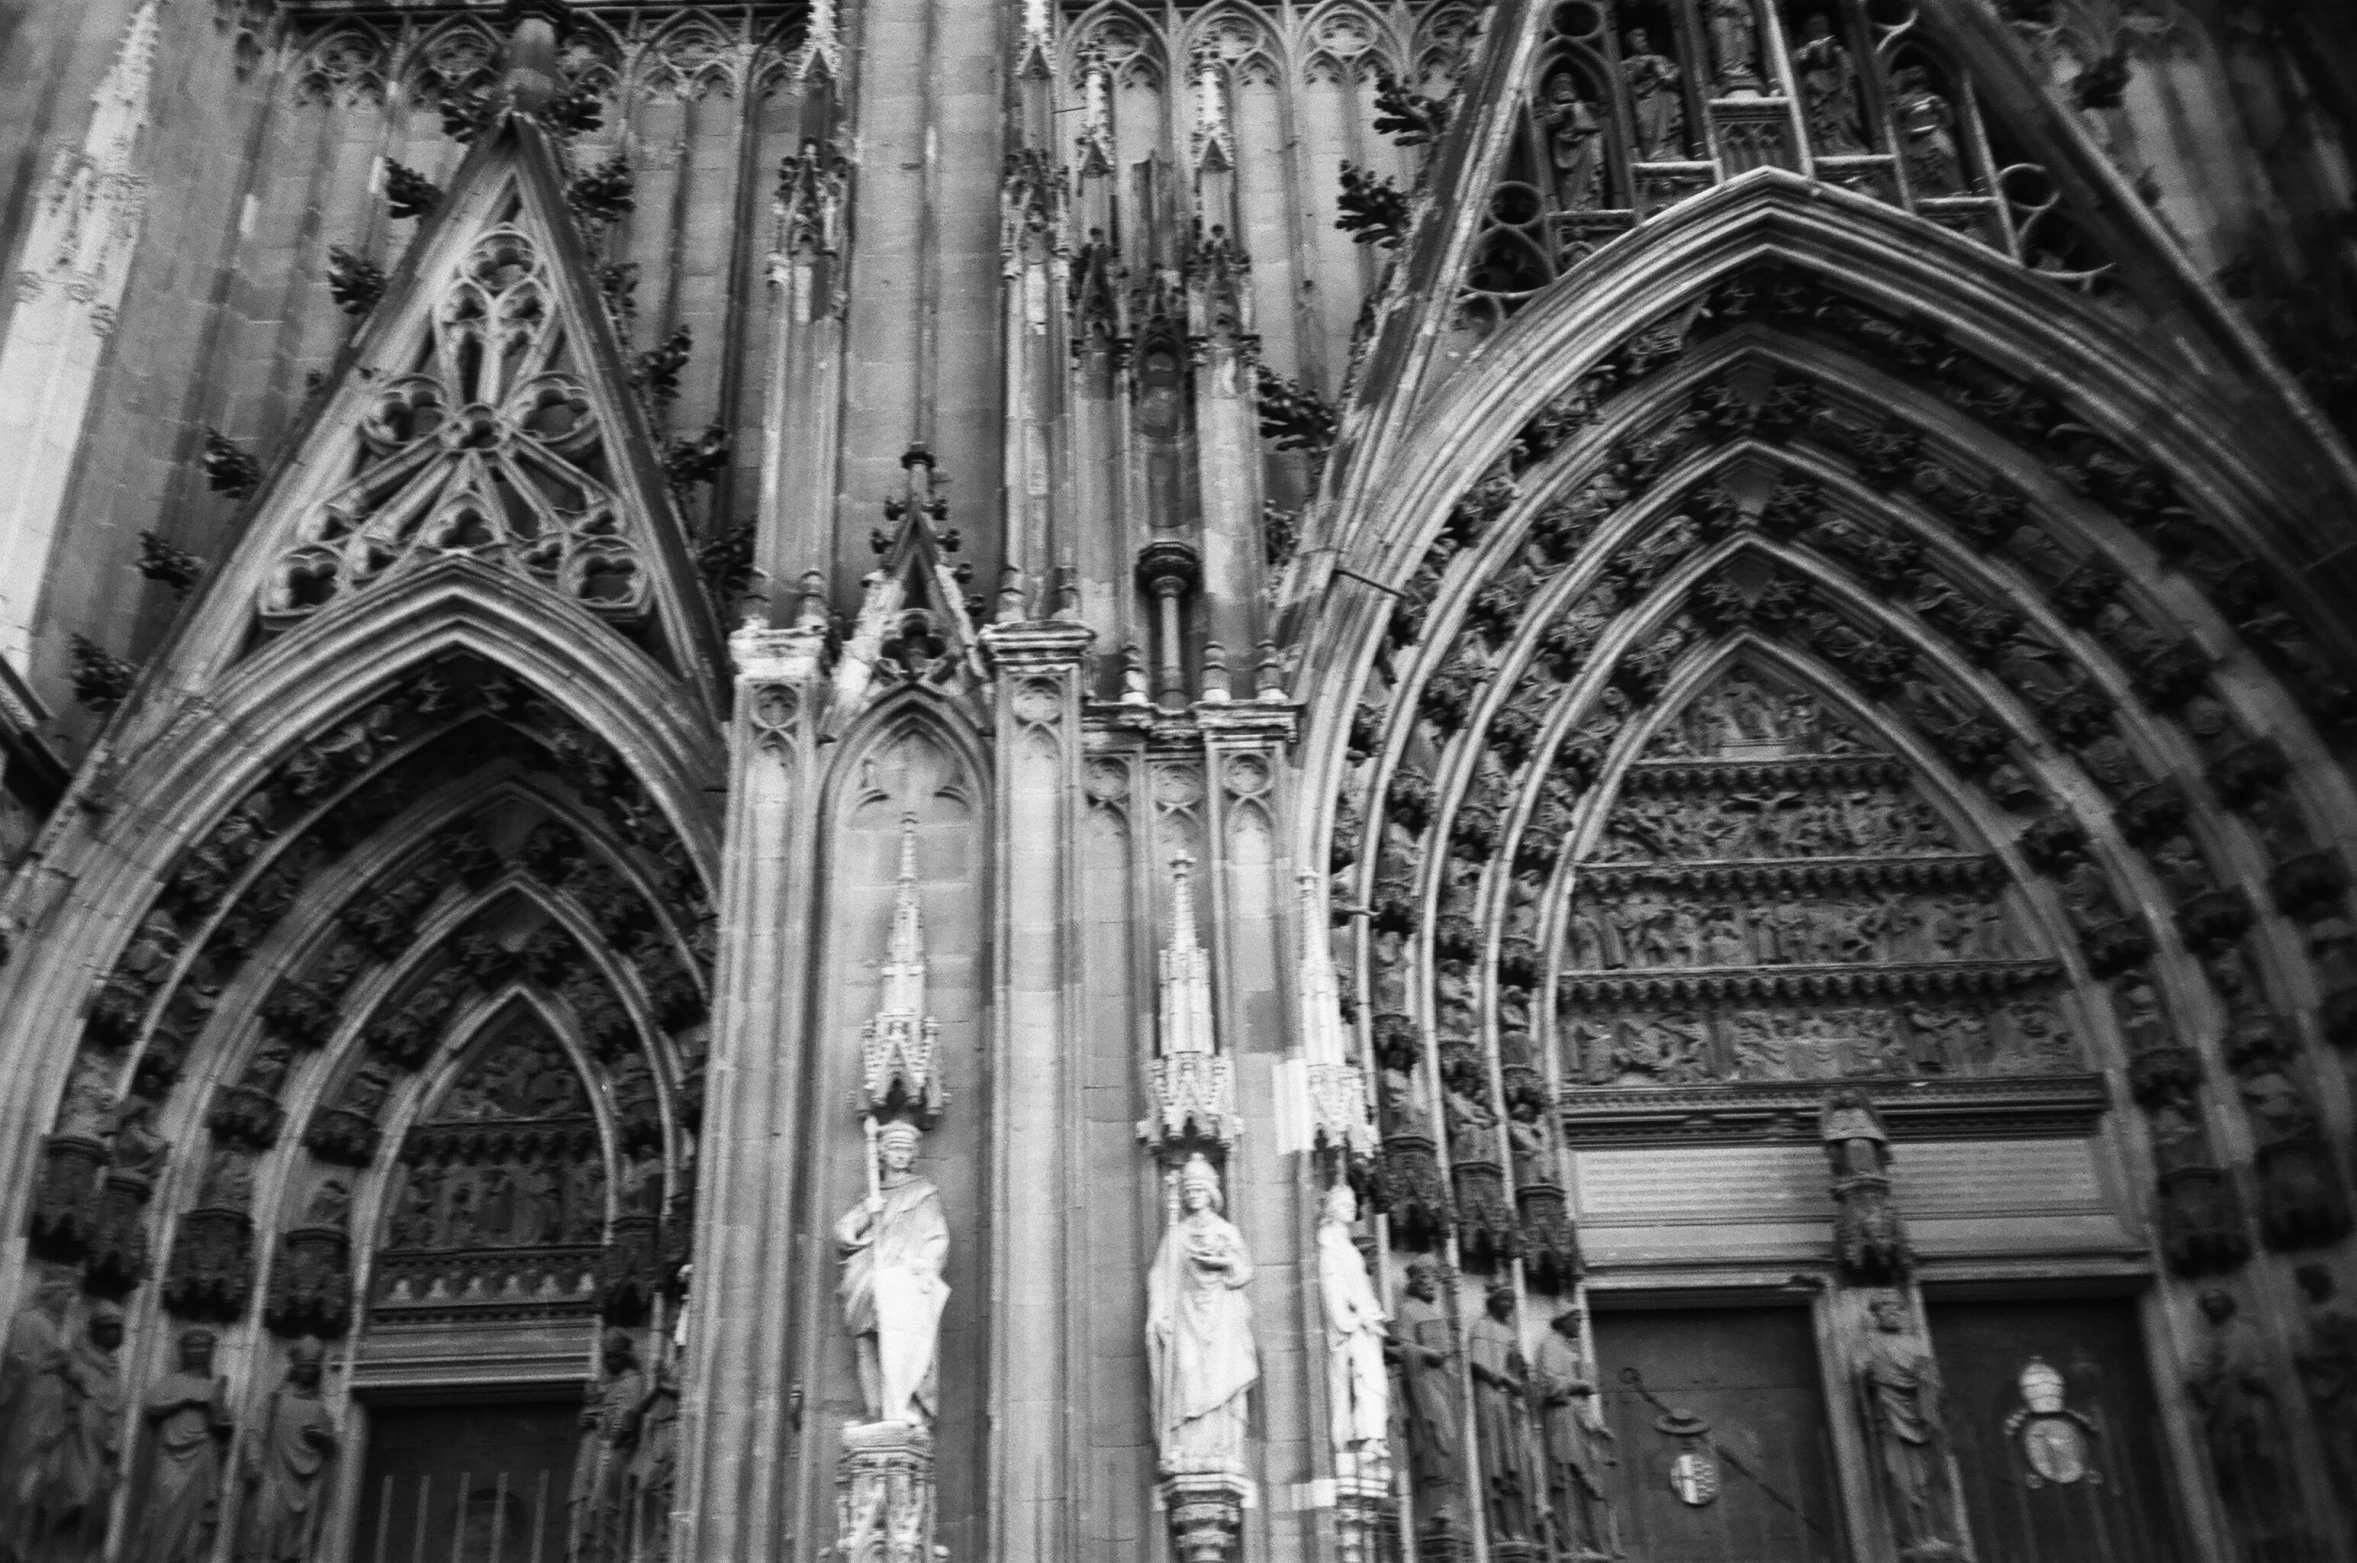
(894, 1245)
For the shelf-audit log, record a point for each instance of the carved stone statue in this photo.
(1575, 143)
(2242, 1423)
(1869, 1239)
(32, 1400)
(1927, 130)
(1501, 1418)
(188, 1427)
(1829, 84)
(1358, 1388)
(609, 1428)
(894, 1246)
(654, 1465)
(1653, 89)
(1734, 44)
(1564, 1386)
(285, 1463)
(1424, 1346)
(69, 1487)
(1899, 1391)
(2327, 1363)
(1199, 1332)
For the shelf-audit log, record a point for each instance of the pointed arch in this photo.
(692, 55)
(451, 60)
(341, 67)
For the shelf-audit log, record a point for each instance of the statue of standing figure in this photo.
(32, 1401)
(609, 1433)
(894, 1246)
(1575, 143)
(1358, 1388)
(2327, 1364)
(1572, 1436)
(1501, 1402)
(63, 1496)
(1199, 1332)
(1424, 1346)
(1653, 90)
(179, 1499)
(287, 1453)
(1900, 1392)
(2242, 1422)
(1734, 29)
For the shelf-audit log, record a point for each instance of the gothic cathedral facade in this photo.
(1180, 781)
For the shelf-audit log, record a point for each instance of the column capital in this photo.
(1038, 644)
(763, 656)
(1247, 725)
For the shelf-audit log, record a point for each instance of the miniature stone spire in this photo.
(901, 1043)
(1194, 1087)
(1337, 1088)
(1212, 142)
(821, 53)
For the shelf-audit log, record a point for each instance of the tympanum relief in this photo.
(501, 1205)
(1773, 897)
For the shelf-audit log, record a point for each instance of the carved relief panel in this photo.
(1771, 896)
(501, 1204)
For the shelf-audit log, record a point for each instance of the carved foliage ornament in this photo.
(489, 448)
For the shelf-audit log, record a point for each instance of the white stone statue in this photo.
(894, 1244)
(1358, 1384)
(1199, 1332)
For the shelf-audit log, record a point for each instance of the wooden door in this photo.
(1718, 1419)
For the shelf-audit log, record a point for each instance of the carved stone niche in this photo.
(884, 1494)
(211, 1273)
(66, 1202)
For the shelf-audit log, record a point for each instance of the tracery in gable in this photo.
(488, 447)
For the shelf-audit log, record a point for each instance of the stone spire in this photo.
(1194, 1086)
(900, 1044)
(1337, 1088)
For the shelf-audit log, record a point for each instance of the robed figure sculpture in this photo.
(1199, 1332)
(1358, 1385)
(894, 1245)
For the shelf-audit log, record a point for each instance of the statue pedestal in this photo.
(1364, 1514)
(1206, 1514)
(884, 1494)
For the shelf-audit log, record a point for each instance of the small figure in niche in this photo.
(1653, 86)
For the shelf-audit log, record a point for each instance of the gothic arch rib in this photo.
(142, 809)
(1393, 486)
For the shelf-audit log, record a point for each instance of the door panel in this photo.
(471, 1483)
(2063, 1465)
(1727, 1399)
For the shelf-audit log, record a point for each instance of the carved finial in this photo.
(1269, 684)
(1182, 900)
(1217, 688)
(821, 53)
(1194, 1087)
(901, 1044)
(1337, 1088)
(1133, 676)
(1011, 606)
(811, 612)
(535, 29)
